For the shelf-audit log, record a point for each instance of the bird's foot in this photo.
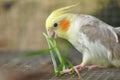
(76, 68)
(79, 67)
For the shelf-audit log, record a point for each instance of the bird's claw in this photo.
(66, 71)
(76, 68)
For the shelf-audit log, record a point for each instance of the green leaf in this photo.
(30, 54)
(64, 62)
(37, 52)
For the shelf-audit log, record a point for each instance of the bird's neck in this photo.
(74, 28)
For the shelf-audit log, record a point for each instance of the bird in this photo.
(97, 41)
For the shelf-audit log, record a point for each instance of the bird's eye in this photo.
(55, 25)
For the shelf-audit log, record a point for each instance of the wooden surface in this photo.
(40, 68)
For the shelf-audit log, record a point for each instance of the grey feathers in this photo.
(108, 36)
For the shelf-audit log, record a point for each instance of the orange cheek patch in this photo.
(64, 24)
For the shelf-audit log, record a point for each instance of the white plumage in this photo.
(94, 52)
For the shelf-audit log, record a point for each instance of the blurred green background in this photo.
(22, 22)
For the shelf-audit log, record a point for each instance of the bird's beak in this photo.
(51, 33)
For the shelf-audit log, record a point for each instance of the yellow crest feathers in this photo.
(57, 13)
(63, 10)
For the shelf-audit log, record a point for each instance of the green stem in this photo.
(51, 54)
(53, 43)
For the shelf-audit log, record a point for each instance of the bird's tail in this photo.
(117, 29)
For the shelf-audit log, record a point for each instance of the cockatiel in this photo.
(98, 42)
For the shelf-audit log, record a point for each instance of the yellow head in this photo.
(59, 21)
